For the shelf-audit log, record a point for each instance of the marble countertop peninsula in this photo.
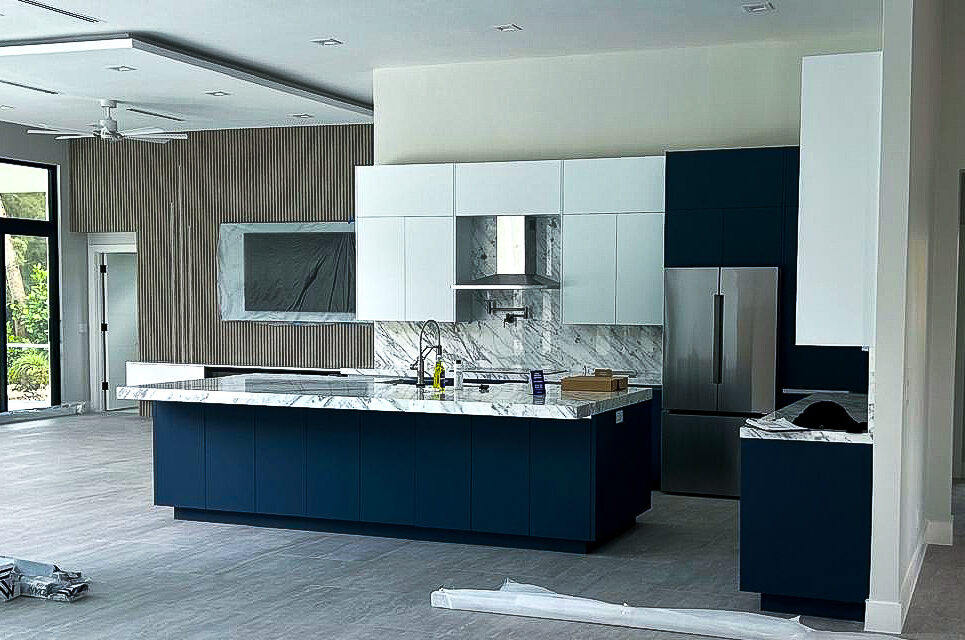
(368, 393)
(856, 404)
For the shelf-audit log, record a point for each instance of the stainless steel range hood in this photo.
(516, 260)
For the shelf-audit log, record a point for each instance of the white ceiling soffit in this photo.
(59, 83)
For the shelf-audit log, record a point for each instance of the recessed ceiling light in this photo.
(218, 94)
(506, 28)
(302, 115)
(757, 8)
(122, 67)
(5, 107)
(328, 42)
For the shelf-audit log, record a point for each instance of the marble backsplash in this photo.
(543, 343)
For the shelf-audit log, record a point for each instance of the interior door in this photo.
(120, 315)
(690, 339)
(748, 361)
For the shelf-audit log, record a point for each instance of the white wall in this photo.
(951, 162)
(943, 299)
(16, 144)
(634, 103)
(910, 108)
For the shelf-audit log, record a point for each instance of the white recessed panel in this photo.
(163, 80)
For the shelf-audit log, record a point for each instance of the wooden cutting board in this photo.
(595, 383)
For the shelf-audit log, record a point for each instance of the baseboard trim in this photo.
(940, 532)
(883, 616)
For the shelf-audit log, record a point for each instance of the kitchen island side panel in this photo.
(805, 520)
(179, 455)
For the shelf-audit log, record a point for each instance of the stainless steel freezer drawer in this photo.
(701, 454)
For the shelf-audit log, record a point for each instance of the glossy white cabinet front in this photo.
(639, 268)
(614, 185)
(613, 269)
(403, 190)
(380, 268)
(508, 188)
(589, 269)
(838, 207)
(430, 269)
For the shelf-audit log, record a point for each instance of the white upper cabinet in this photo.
(613, 268)
(589, 269)
(403, 190)
(639, 286)
(430, 269)
(508, 188)
(614, 185)
(838, 207)
(380, 269)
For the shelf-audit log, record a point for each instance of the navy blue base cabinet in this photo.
(805, 526)
(555, 484)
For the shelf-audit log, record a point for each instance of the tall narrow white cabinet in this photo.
(589, 269)
(380, 268)
(639, 276)
(838, 207)
(430, 269)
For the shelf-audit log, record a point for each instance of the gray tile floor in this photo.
(77, 491)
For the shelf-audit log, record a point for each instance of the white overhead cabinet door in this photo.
(589, 269)
(639, 268)
(508, 188)
(430, 269)
(838, 214)
(614, 185)
(403, 190)
(380, 268)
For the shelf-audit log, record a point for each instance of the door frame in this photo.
(49, 229)
(97, 245)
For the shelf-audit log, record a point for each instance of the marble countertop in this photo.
(856, 404)
(367, 393)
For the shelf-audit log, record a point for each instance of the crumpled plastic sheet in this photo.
(533, 601)
(42, 580)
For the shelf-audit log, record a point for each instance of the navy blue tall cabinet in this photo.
(738, 208)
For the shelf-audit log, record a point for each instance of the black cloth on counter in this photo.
(829, 416)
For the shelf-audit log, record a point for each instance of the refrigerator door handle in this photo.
(718, 338)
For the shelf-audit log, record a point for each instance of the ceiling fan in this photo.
(106, 129)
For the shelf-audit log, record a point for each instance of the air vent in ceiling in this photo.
(29, 88)
(757, 8)
(144, 112)
(57, 10)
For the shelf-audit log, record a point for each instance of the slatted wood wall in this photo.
(175, 196)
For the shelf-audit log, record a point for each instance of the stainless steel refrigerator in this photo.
(720, 367)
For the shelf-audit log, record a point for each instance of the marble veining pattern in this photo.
(360, 393)
(856, 404)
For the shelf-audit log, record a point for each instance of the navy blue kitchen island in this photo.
(362, 456)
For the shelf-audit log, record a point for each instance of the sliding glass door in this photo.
(30, 368)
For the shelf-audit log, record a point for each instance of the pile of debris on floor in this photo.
(40, 580)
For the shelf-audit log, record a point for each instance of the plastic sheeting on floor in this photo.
(532, 601)
(40, 580)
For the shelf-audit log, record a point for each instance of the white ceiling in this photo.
(274, 36)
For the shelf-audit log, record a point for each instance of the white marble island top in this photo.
(366, 393)
(856, 404)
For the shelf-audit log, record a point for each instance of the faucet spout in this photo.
(420, 359)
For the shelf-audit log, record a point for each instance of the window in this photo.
(30, 368)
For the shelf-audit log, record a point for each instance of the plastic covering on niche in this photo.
(532, 601)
